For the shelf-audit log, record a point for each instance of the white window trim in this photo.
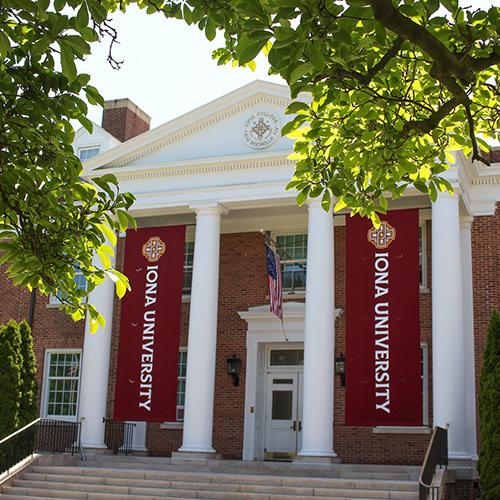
(54, 299)
(186, 297)
(177, 424)
(45, 385)
(291, 294)
(418, 429)
(86, 147)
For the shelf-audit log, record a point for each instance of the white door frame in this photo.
(264, 328)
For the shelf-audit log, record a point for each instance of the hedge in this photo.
(489, 411)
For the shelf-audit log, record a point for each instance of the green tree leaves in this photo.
(10, 377)
(52, 221)
(394, 89)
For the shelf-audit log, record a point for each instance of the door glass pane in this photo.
(287, 357)
(282, 405)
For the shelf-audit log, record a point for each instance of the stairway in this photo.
(146, 478)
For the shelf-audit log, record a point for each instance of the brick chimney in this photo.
(123, 119)
(493, 155)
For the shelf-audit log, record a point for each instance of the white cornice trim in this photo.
(190, 123)
(197, 167)
(478, 173)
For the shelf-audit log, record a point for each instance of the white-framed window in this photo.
(81, 284)
(422, 254)
(293, 253)
(61, 384)
(188, 267)
(181, 384)
(88, 152)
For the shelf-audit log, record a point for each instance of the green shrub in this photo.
(27, 403)
(489, 411)
(10, 377)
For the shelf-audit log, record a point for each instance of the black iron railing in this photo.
(58, 436)
(17, 446)
(41, 435)
(436, 456)
(118, 436)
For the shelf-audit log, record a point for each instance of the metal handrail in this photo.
(118, 435)
(436, 455)
(41, 435)
(10, 436)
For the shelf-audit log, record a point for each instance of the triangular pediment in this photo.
(241, 124)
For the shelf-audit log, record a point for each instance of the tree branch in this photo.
(392, 52)
(365, 79)
(476, 155)
(430, 123)
(385, 12)
(481, 63)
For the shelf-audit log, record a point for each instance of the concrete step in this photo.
(181, 489)
(31, 493)
(234, 466)
(145, 478)
(15, 496)
(248, 464)
(402, 476)
(74, 473)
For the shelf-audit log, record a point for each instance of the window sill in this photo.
(294, 296)
(50, 305)
(172, 425)
(424, 289)
(56, 305)
(401, 430)
(186, 299)
(63, 418)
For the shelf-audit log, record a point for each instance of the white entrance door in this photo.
(283, 415)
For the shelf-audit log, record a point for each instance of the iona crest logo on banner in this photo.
(383, 236)
(154, 249)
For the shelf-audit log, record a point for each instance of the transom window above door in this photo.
(286, 357)
(293, 253)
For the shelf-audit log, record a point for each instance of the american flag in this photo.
(274, 282)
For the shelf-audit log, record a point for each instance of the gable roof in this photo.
(98, 130)
(194, 121)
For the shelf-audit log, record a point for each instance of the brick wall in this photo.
(52, 329)
(485, 281)
(462, 490)
(242, 285)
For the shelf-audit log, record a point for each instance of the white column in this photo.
(95, 367)
(468, 309)
(202, 339)
(319, 336)
(447, 324)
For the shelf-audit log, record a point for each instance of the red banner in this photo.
(148, 353)
(383, 384)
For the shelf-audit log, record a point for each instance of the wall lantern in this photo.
(340, 368)
(233, 369)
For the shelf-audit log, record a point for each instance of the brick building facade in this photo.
(203, 160)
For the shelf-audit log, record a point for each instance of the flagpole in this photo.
(283, 329)
(278, 277)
